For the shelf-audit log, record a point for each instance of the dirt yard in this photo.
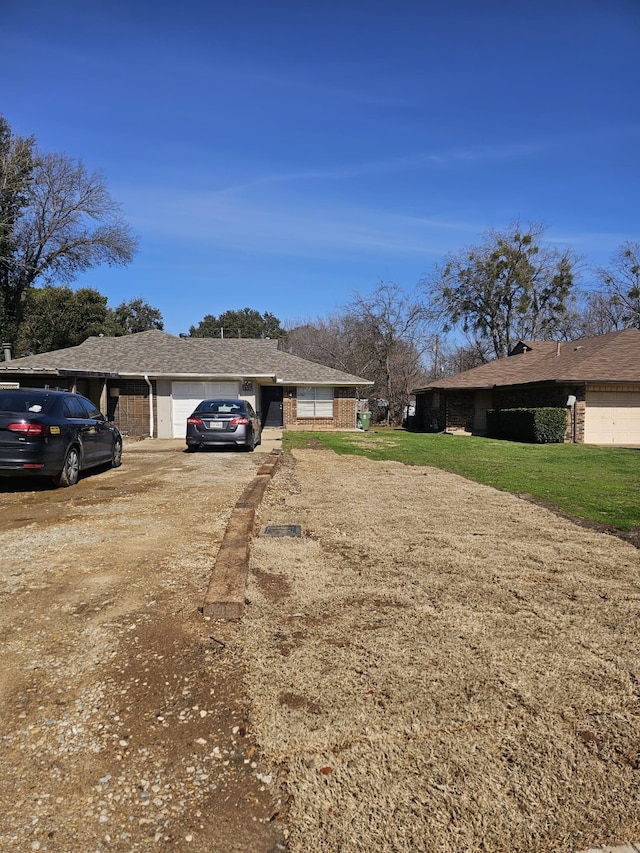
(433, 665)
(439, 666)
(123, 721)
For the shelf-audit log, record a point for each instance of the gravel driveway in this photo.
(123, 723)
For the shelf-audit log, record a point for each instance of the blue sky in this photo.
(282, 155)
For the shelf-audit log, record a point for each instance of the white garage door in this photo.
(187, 395)
(612, 417)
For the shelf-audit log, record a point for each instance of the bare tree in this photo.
(57, 221)
(393, 327)
(622, 283)
(456, 358)
(335, 341)
(602, 313)
(380, 337)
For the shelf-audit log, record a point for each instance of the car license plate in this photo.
(215, 424)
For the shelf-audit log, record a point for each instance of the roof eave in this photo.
(159, 374)
(330, 383)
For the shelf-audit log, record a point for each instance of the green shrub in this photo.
(550, 425)
(493, 423)
(545, 425)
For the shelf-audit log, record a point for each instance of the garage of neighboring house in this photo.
(187, 395)
(612, 415)
(596, 380)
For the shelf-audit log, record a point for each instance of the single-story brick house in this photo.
(150, 382)
(596, 379)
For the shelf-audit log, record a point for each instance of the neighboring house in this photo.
(150, 382)
(596, 379)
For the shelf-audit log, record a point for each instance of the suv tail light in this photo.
(194, 421)
(26, 428)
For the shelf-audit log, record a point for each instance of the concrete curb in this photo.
(225, 595)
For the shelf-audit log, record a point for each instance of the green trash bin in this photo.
(365, 420)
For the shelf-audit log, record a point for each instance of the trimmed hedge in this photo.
(545, 425)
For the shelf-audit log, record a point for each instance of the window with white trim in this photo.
(315, 401)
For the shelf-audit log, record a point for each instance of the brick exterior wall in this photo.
(455, 409)
(440, 410)
(130, 410)
(532, 396)
(344, 412)
(460, 406)
(431, 412)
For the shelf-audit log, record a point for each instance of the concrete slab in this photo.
(271, 440)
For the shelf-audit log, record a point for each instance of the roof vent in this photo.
(7, 351)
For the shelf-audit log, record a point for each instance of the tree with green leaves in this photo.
(243, 323)
(622, 286)
(17, 162)
(57, 220)
(59, 317)
(506, 289)
(136, 315)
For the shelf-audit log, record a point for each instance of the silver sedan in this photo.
(218, 422)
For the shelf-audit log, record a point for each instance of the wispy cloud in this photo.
(412, 162)
(294, 229)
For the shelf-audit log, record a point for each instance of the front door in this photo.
(271, 406)
(483, 401)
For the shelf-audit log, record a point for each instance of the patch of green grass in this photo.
(599, 484)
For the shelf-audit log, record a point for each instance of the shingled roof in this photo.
(610, 358)
(159, 354)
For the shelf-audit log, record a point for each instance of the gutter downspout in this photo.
(151, 421)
